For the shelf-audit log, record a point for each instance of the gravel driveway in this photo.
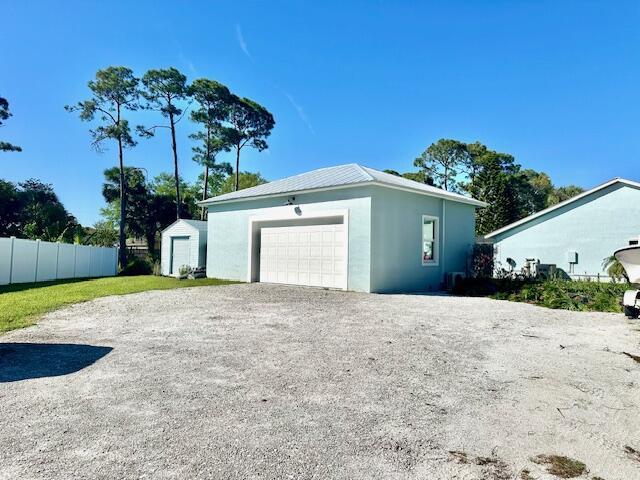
(264, 381)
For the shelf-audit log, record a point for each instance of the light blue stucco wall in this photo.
(396, 260)
(228, 235)
(594, 226)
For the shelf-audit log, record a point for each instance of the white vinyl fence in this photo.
(23, 261)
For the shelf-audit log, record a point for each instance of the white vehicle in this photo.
(629, 257)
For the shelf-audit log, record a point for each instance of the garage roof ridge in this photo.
(337, 177)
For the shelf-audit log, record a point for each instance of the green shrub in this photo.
(137, 266)
(558, 294)
(482, 263)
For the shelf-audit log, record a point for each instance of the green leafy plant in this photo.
(137, 266)
(614, 269)
(553, 293)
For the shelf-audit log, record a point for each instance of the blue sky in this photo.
(555, 83)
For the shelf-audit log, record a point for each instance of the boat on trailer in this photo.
(629, 257)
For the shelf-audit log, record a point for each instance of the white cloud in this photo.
(301, 113)
(192, 68)
(242, 43)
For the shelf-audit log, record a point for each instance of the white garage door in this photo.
(179, 253)
(311, 255)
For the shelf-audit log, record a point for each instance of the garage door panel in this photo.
(315, 238)
(315, 265)
(304, 255)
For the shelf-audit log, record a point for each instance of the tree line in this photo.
(31, 209)
(150, 204)
(4, 116)
(226, 122)
(493, 177)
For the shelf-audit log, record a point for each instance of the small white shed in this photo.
(184, 242)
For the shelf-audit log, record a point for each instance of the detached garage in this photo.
(347, 227)
(184, 242)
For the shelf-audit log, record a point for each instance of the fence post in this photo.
(57, 258)
(35, 276)
(13, 239)
(75, 258)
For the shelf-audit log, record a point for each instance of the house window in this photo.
(429, 240)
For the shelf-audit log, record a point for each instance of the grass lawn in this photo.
(21, 304)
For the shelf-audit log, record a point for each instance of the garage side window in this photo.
(429, 240)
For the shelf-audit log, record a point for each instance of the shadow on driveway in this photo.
(21, 361)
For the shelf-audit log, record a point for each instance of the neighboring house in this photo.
(577, 234)
(137, 247)
(184, 242)
(347, 227)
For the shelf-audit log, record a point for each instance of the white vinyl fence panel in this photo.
(66, 260)
(47, 262)
(5, 260)
(23, 261)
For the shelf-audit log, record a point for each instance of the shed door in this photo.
(180, 250)
(307, 255)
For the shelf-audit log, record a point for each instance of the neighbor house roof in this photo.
(341, 176)
(562, 204)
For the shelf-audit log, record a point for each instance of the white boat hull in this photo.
(629, 257)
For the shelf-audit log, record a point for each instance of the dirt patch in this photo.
(493, 468)
(563, 467)
(525, 474)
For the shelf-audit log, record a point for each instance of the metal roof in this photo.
(340, 176)
(562, 204)
(197, 224)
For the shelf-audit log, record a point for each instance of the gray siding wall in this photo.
(396, 252)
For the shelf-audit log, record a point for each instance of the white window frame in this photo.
(436, 241)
